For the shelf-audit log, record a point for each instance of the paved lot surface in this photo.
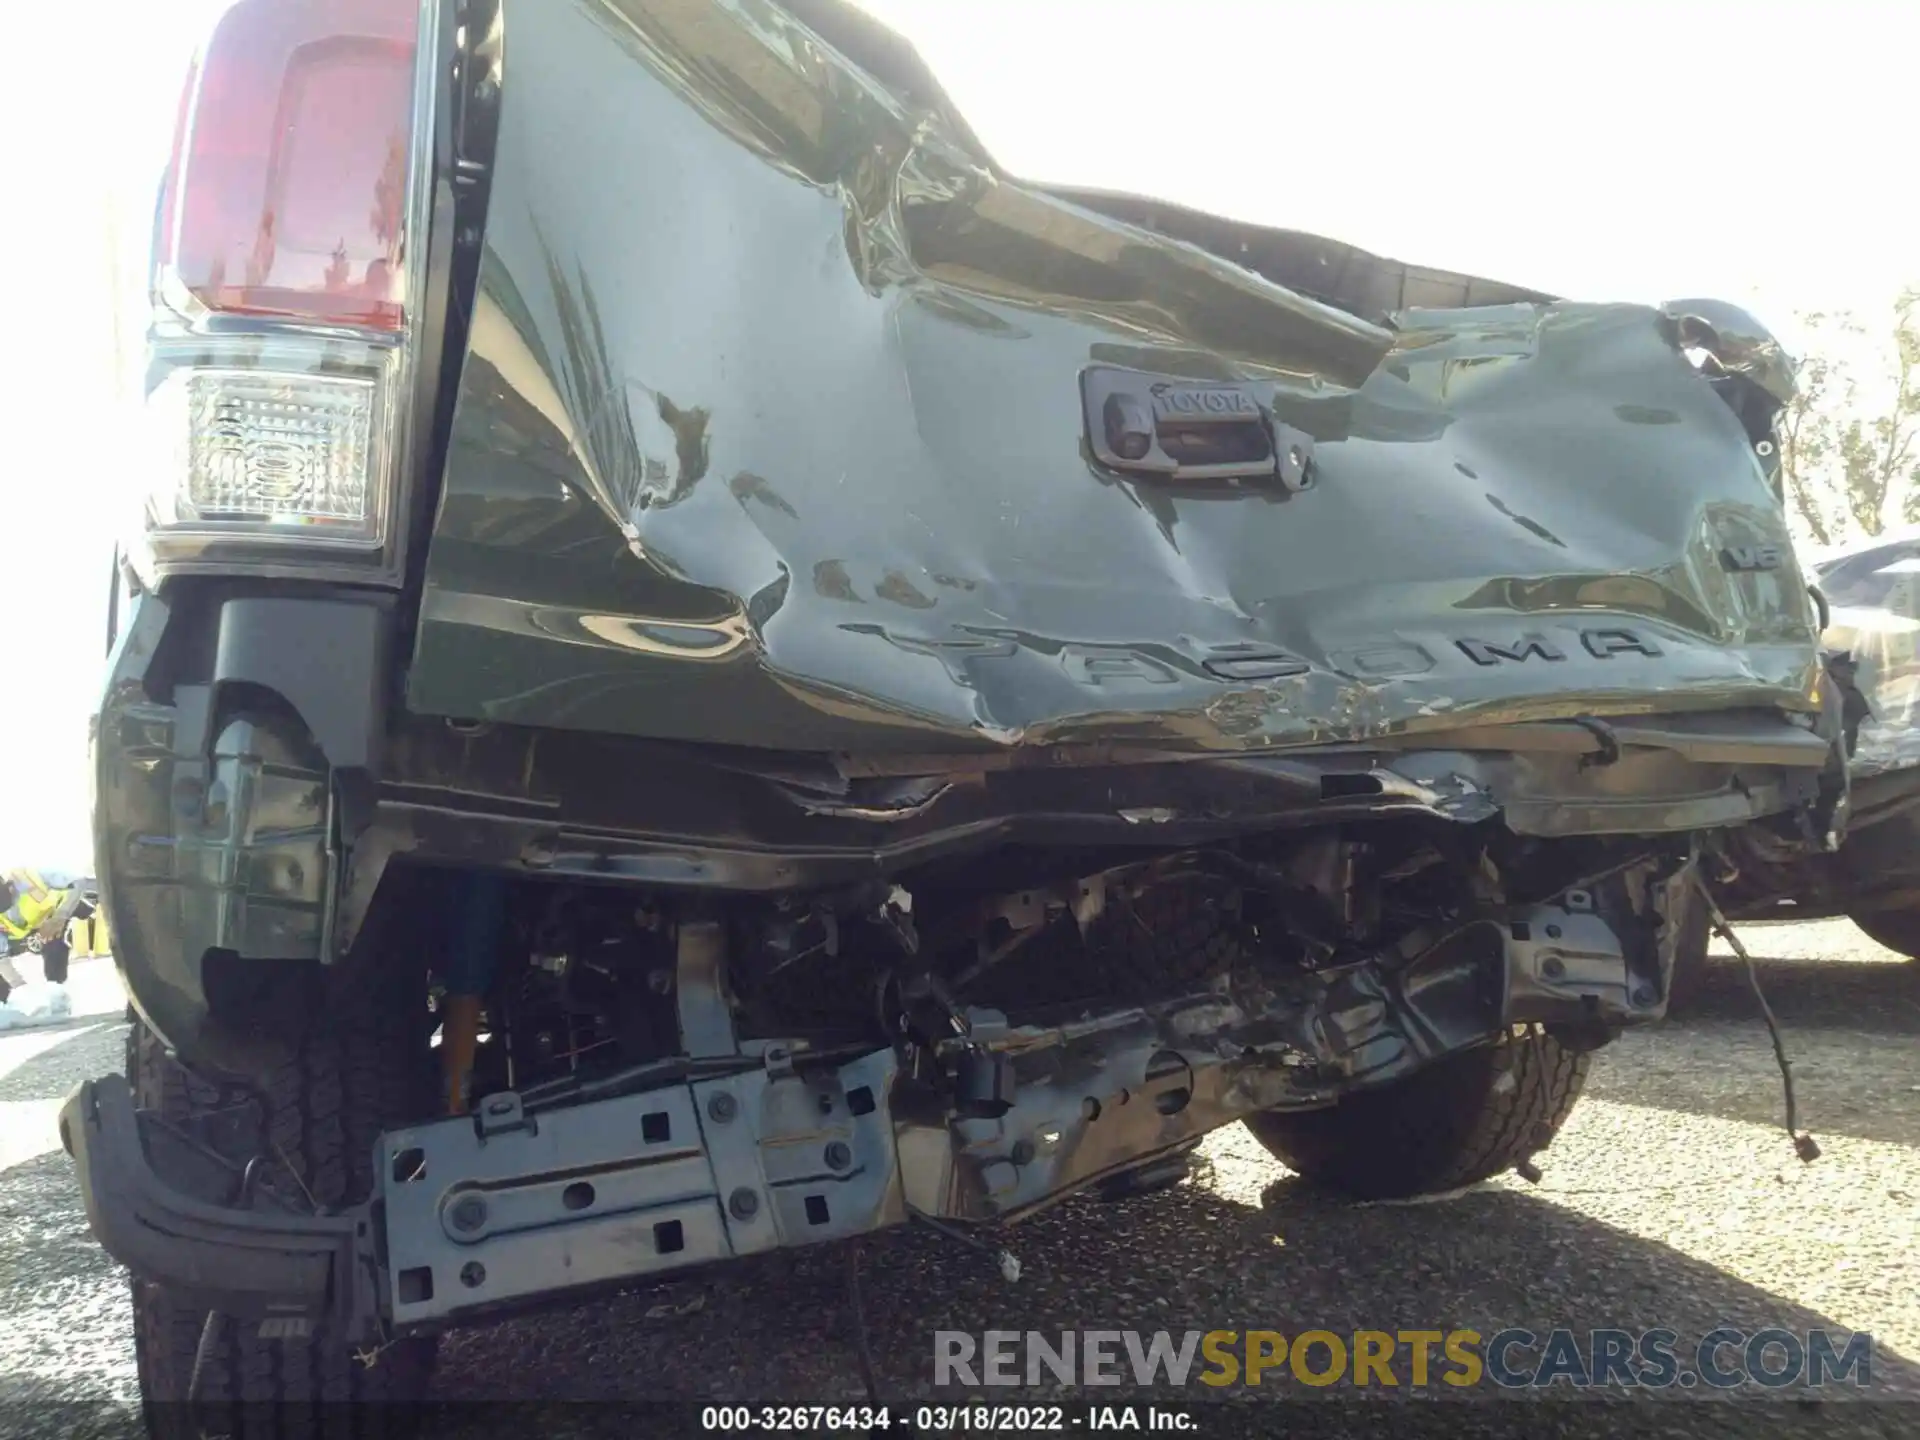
(1672, 1199)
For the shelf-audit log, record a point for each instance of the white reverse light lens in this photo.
(262, 451)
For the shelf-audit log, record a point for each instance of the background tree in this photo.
(1850, 448)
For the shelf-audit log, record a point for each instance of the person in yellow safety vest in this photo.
(36, 906)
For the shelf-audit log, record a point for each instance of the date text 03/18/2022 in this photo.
(947, 1419)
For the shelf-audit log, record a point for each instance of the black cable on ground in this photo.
(1009, 1266)
(1803, 1143)
(863, 1346)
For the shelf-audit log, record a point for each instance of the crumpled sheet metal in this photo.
(770, 434)
(1740, 343)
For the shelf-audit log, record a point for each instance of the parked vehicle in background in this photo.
(844, 687)
(1872, 591)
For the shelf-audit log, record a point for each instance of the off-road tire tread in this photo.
(326, 1105)
(1174, 935)
(1451, 1125)
(1139, 948)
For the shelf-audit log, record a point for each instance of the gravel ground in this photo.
(1672, 1199)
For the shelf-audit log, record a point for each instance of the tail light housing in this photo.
(286, 284)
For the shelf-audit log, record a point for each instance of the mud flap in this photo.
(251, 1264)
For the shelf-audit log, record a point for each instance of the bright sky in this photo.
(1622, 150)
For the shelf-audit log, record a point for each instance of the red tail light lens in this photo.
(288, 192)
(290, 203)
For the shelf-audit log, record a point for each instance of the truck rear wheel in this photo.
(1464, 1119)
(337, 1090)
(1898, 930)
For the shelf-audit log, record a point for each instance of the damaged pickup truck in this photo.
(706, 671)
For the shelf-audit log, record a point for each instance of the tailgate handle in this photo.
(1141, 424)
